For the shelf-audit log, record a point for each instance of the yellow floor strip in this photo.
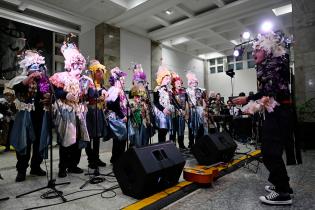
(158, 196)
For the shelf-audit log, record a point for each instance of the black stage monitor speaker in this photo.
(214, 148)
(144, 171)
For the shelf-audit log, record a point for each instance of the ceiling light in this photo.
(169, 11)
(282, 10)
(179, 40)
(266, 26)
(246, 35)
(211, 55)
(110, 36)
(236, 53)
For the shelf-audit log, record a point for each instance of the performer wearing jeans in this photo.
(180, 102)
(272, 65)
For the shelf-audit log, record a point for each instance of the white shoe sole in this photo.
(264, 200)
(268, 190)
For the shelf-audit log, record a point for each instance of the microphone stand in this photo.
(127, 116)
(192, 110)
(51, 182)
(151, 112)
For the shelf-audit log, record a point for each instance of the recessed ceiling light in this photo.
(168, 11)
(282, 10)
(211, 55)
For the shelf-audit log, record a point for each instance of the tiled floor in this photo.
(239, 190)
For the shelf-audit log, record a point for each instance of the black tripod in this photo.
(51, 182)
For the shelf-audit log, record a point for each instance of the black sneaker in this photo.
(38, 172)
(75, 170)
(62, 173)
(275, 198)
(20, 177)
(270, 189)
(100, 163)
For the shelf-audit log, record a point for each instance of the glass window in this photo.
(220, 69)
(212, 70)
(212, 62)
(220, 61)
(230, 58)
(239, 66)
(251, 64)
(231, 66)
(239, 58)
(250, 55)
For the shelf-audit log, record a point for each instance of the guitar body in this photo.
(200, 174)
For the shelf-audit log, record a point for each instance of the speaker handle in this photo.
(159, 154)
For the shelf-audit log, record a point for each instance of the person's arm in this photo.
(115, 107)
(156, 101)
(60, 93)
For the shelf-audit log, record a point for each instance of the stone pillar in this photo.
(303, 12)
(156, 56)
(107, 46)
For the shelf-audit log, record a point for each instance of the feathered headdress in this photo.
(31, 60)
(272, 43)
(138, 73)
(176, 77)
(93, 67)
(71, 53)
(191, 77)
(139, 81)
(96, 65)
(116, 74)
(161, 73)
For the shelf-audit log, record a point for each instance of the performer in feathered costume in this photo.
(181, 104)
(32, 93)
(197, 106)
(95, 118)
(117, 113)
(163, 104)
(71, 90)
(140, 108)
(274, 100)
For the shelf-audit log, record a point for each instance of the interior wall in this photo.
(243, 81)
(181, 63)
(87, 44)
(134, 49)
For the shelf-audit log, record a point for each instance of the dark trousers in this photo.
(7, 145)
(118, 149)
(191, 137)
(93, 150)
(69, 156)
(276, 130)
(22, 160)
(162, 132)
(180, 139)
